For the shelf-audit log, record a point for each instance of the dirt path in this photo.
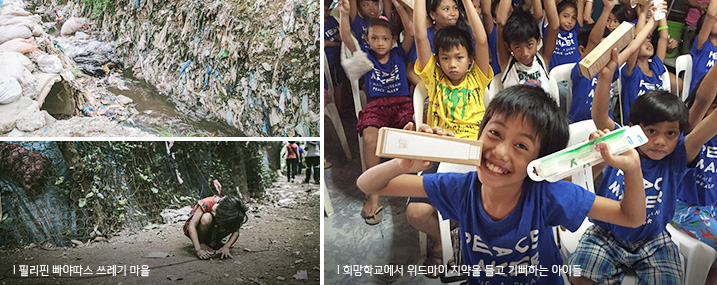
(280, 241)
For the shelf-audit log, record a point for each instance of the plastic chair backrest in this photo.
(327, 76)
(420, 93)
(684, 63)
(579, 132)
(358, 95)
(562, 73)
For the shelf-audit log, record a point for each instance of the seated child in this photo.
(644, 70)
(704, 49)
(518, 41)
(696, 210)
(606, 251)
(506, 219)
(566, 48)
(390, 104)
(360, 12)
(456, 77)
(212, 219)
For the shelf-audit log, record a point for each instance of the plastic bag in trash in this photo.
(49, 63)
(19, 45)
(72, 25)
(10, 90)
(14, 32)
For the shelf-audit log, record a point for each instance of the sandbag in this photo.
(28, 167)
(19, 45)
(72, 25)
(15, 65)
(10, 90)
(14, 32)
(49, 63)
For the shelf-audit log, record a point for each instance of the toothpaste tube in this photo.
(568, 161)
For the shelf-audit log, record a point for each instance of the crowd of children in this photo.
(456, 48)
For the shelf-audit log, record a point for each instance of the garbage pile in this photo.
(253, 65)
(32, 63)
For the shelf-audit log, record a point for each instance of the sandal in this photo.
(431, 257)
(377, 217)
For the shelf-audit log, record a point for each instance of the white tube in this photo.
(565, 162)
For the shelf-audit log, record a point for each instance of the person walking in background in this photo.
(313, 154)
(292, 160)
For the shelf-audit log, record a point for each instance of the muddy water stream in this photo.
(157, 114)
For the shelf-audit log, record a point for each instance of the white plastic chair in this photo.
(332, 112)
(698, 256)
(683, 64)
(561, 73)
(420, 93)
(359, 102)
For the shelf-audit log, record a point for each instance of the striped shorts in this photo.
(605, 258)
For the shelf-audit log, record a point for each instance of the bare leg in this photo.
(712, 277)
(423, 217)
(370, 137)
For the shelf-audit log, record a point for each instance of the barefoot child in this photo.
(505, 219)
(212, 219)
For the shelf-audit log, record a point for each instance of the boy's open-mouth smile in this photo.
(495, 169)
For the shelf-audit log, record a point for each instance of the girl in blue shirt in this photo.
(505, 219)
(566, 48)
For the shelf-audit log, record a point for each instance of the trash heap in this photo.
(251, 64)
(32, 64)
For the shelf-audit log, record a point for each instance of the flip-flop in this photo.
(377, 217)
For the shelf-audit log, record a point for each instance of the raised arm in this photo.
(353, 11)
(635, 44)
(551, 33)
(704, 97)
(407, 21)
(630, 212)
(388, 8)
(601, 99)
(482, 53)
(661, 48)
(536, 9)
(599, 28)
(423, 46)
(502, 12)
(710, 18)
(641, 18)
(581, 9)
(485, 9)
(707, 128)
(345, 25)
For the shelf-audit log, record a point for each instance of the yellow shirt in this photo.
(458, 108)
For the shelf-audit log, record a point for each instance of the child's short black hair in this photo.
(658, 106)
(620, 13)
(378, 22)
(550, 123)
(453, 36)
(231, 213)
(566, 4)
(584, 34)
(329, 2)
(358, 2)
(520, 27)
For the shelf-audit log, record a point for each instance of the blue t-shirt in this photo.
(493, 47)
(583, 93)
(413, 53)
(702, 60)
(331, 33)
(387, 79)
(699, 184)
(523, 238)
(358, 28)
(662, 179)
(566, 47)
(638, 83)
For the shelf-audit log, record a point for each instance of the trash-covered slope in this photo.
(253, 65)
